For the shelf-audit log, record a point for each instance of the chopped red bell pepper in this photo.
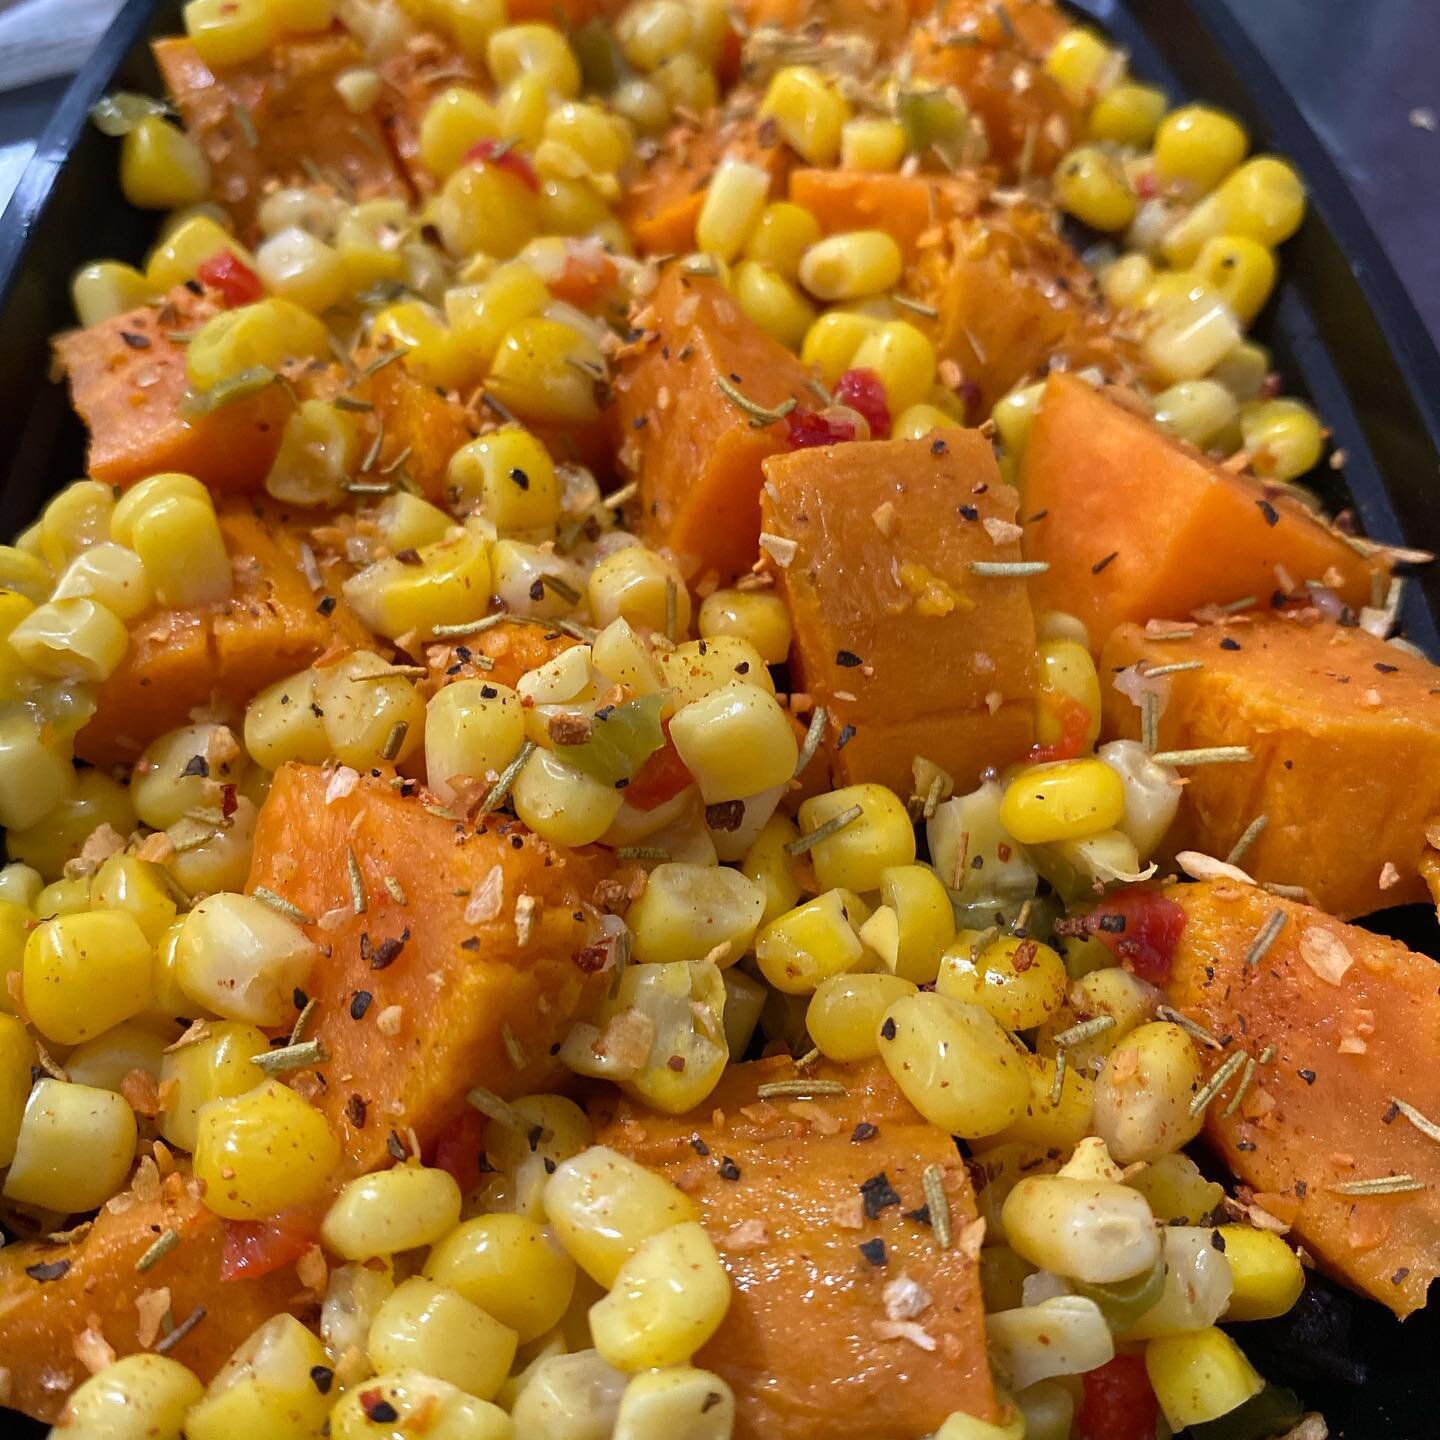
(805, 429)
(662, 777)
(1117, 1402)
(259, 1247)
(589, 275)
(1141, 927)
(1074, 719)
(864, 392)
(236, 282)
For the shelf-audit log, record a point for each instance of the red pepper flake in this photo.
(255, 1248)
(1150, 925)
(235, 281)
(864, 392)
(229, 801)
(662, 777)
(503, 156)
(591, 960)
(1074, 721)
(806, 429)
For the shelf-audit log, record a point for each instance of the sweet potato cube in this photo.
(1345, 731)
(51, 1293)
(1353, 1019)
(1139, 526)
(904, 206)
(472, 979)
(910, 651)
(694, 452)
(127, 380)
(814, 1220)
(225, 652)
(300, 125)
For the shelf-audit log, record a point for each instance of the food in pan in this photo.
(695, 762)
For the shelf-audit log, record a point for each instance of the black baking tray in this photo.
(1343, 333)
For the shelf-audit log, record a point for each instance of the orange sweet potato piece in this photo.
(693, 451)
(412, 76)
(1137, 525)
(905, 206)
(1353, 1018)
(224, 652)
(909, 651)
(1013, 300)
(127, 381)
(884, 22)
(512, 648)
(423, 428)
(461, 993)
(807, 1346)
(1345, 730)
(660, 208)
(301, 125)
(41, 1319)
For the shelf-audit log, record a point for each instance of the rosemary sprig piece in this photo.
(1247, 839)
(1426, 1127)
(832, 826)
(1217, 1082)
(359, 902)
(1381, 1185)
(165, 1242)
(1233, 1104)
(933, 1179)
(760, 415)
(500, 790)
(1205, 755)
(777, 1089)
(304, 1056)
(1004, 568)
(1265, 937)
(1193, 1028)
(281, 905)
(814, 736)
(1085, 1030)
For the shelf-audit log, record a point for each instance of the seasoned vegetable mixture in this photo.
(694, 762)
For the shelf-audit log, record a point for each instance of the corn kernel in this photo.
(229, 32)
(1046, 1125)
(757, 617)
(74, 1148)
(1128, 115)
(161, 166)
(77, 639)
(904, 359)
(450, 586)
(668, 1299)
(809, 112)
(1080, 63)
(511, 472)
(179, 256)
(701, 667)
(1241, 271)
(455, 120)
(851, 265)
(1244, 370)
(218, 1066)
(1202, 412)
(1020, 982)
(480, 315)
(125, 882)
(1067, 800)
(472, 729)
(26, 575)
(318, 453)
(832, 341)
(432, 351)
(74, 520)
(1096, 1231)
(429, 1328)
(391, 1211)
(734, 201)
(809, 944)
(569, 1397)
(101, 291)
(688, 911)
(773, 303)
(856, 855)
(422, 1404)
(1068, 685)
(780, 238)
(544, 370)
(35, 778)
(139, 498)
(1142, 1107)
(1064, 1335)
(736, 742)
(1126, 281)
(168, 783)
(917, 421)
(845, 1012)
(533, 49)
(653, 32)
(1196, 147)
(1199, 1377)
(603, 1206)
(872, 144)
(1284, 439)
(110, 575)
(1152, 793)
(1266, 1272)
(1263, 200)
(562, 803)
(954, 1064)
(17, 1055)
(85, 973)
(297, 266)
(680, 1401)
(776, 872)
(635, 584)
(1091, 185)
(64, 897)
(1191, 335)
(138, 1397)
(523, 1162)
(266, 1388)
(91, 799)
(263, 335)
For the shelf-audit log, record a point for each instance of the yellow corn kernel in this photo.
(1127, 115)
(1152, 793)
(265, 334)
(874, 144)
(845, 1012)
(1090, 184)
(17, 1055)
(924, 916)
(242, 960)
(74, 520)
(736, 742)
(218, 1066)
(20, 886)
(1266, 1273)
(1196, 147)
(472, 729)
(432, 351)
(809, 112)
(108, 288)
(688, 83)
(668, 1299)
(563, 804)
(653, 32)
(281, 724)
(1126, 281)
(105, 1061)
(1176, 1191)
(90, 799)
(84, 973)
(450, 586)
(954, 1064)
(734, 201)
(471, 23)
(677, 1401)
(422, 1405)
(297, 266)
(318, 454)
(1067, 680)
(809, 944)
(161, 167)
(36, 778)
(603, 1206)
(179, 541)
(700, 667)
(904, 359)
(569, 1397)
(586, 138)
(1200, 1376)
(75, 1147)
(179, 256)
(26, 575)
(512, 474)
(302, 17)
(109, 574)
(1191, 334)
(262, 1152)
(125, 882)
(455, 120)
(1244, 370)
(1020, 982)
(1095, 1231)
(635, 584)
(1066, 800)
(523, 1162)
(1065, 1335)
(76, 639)
(406, 522)
(831, 342)
(426, 1327)
(851, 265)
(480, 315)
(1111, 991)
(687, 912)
(168, 782)
(533, 50)
(780, 238)
(390, 1211)
(140, 498)
(916, 421)
(1143, 1095)
(138, 1397)
(370, 238)
(858, 853)
(755, 616)
(1241, 271)
(1045, 1125)
(215, 856)
(1203, 412)
(773, 303)
(17, 919)
(64, 897)
(510, 1267)
(266, 1388)
(1283, 437)
(229, 32)
(1080, 62)
(1264, 199)
(370, 714)
(776, 872)
(545, 370)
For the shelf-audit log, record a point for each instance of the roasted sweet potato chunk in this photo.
(811, 1205)
(905, 206)
(910, 650)
(695, 452)
(1137, 525)
(1353, 1019)
(885, 23)
(222, 653)
(472, 979)
(51, 1294)
(128, 379)
(301, 126)
(1345, 731)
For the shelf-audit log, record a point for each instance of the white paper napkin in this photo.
(40, 39)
